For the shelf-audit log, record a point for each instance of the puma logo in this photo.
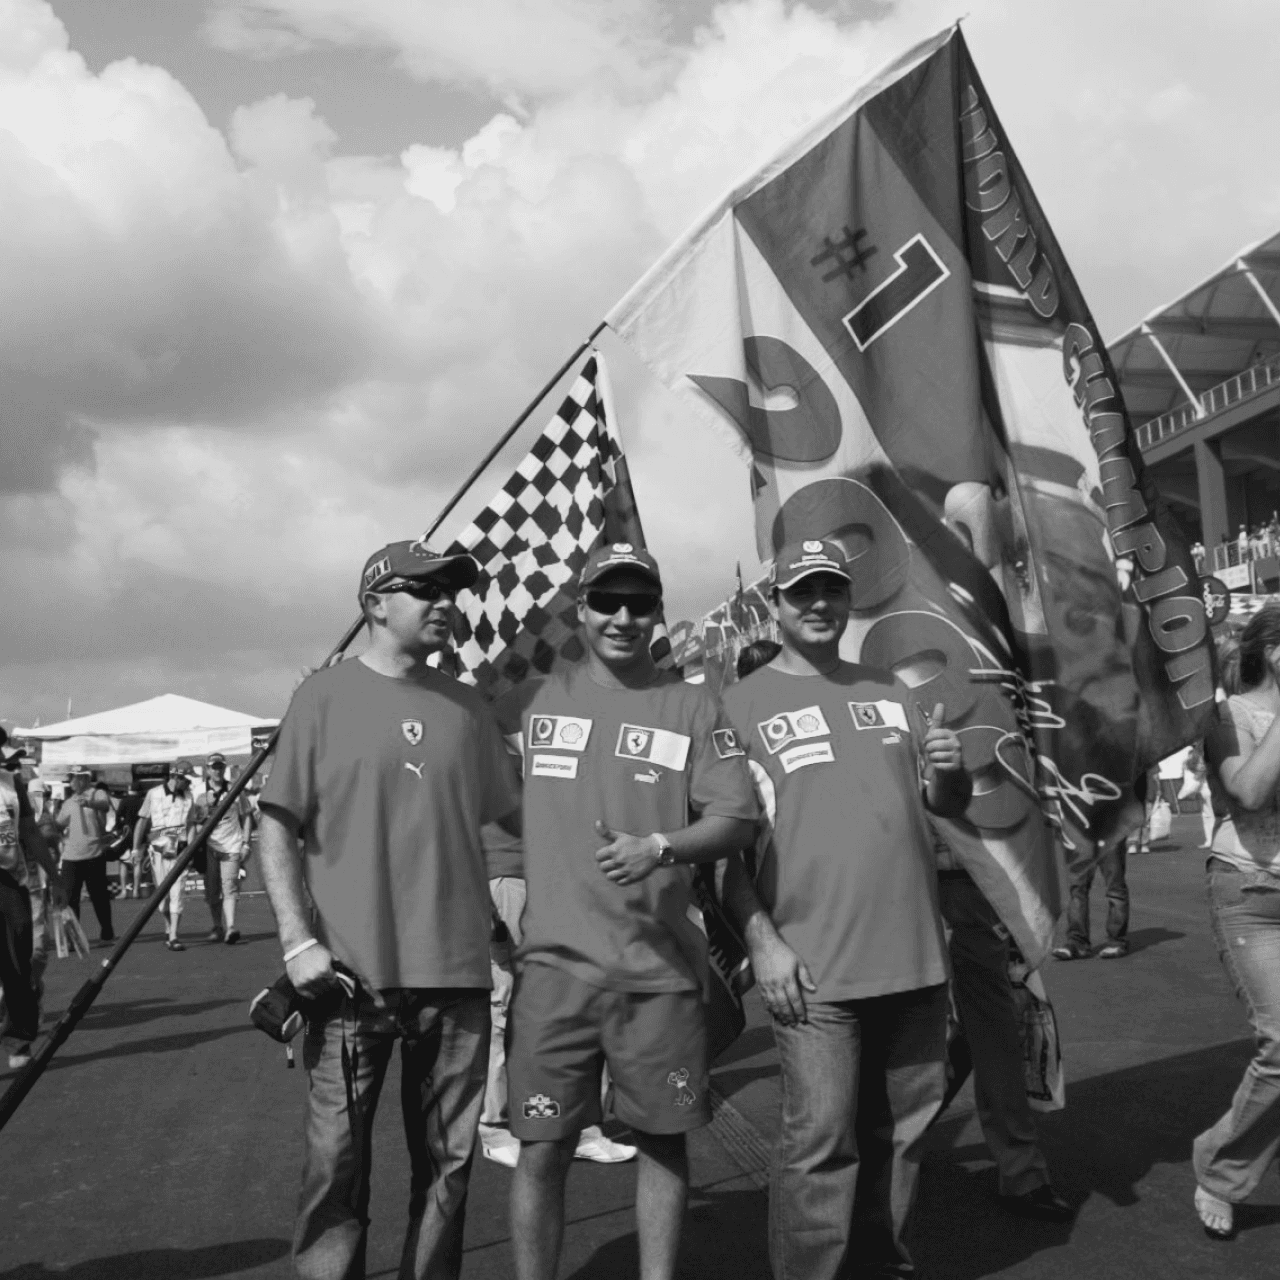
(415, 768)
(651, 777)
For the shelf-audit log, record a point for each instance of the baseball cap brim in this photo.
(808, 571)
(459, 571)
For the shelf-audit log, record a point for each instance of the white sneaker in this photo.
(19, 1058)
(593, 1145)
(501, 1147)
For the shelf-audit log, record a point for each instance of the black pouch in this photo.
(280, 1011)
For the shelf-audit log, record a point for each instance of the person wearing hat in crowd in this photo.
(384, 774)
(162, 829)
(83, 821)
(20, 843)
(843, 926)
(226, 848)
(630, 777)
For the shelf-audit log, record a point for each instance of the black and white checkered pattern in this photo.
(532, 540)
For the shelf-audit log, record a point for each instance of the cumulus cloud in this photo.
(539, 47)
(235, 362)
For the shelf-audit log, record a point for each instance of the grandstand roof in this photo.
(1215, 330)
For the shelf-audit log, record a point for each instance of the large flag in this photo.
(570, 493)
(885, 324)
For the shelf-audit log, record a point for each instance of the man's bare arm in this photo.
(35, 844)
(782, 976)
(310, 971)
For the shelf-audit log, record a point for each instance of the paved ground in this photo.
(164, 1141)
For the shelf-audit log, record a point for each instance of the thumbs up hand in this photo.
(942, 752)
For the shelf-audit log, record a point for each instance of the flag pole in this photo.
(83, 999)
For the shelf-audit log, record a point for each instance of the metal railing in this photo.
(1256, 378)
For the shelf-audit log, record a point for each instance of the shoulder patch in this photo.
(726, 743)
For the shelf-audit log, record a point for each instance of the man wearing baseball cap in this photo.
(227, 847)
(162, 829)
(384, 774)
(83, 823)
(630, 777)
(843, 925)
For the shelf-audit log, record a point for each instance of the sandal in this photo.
(174, 945)
(1070, 952)
(1216, 1216)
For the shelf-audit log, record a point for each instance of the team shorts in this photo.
(561, 1033)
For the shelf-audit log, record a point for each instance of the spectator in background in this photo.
(83, 822)
(1243, 752)
(226, 850)
(162, 830)
(1242, 544)
(20, 841)
(127, 809)
(45, 809)
(759, 653)
(1198, 556)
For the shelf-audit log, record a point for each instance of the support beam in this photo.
(1241, 265)
(1212, 483)
(1173, 369)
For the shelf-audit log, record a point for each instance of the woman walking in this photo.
(1244, 904)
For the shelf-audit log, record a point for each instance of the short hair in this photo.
(759, 653)
(1261, 633)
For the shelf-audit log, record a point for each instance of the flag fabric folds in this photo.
(569, 493)
(883, 322)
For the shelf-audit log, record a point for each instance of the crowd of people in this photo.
(1261, 542)
(507, 891)
(58, 840)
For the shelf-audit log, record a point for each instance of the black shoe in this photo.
(215, 935)
(233, 936)
(107, 937)
(1043, 1204)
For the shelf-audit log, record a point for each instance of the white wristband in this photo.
(293, 952)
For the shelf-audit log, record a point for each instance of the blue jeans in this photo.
(1231, 1158)
(989, 1019)
(1112, 866)
(861, 1081)
(444, 1055)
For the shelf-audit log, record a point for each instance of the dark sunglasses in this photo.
(428, 592)
(639, 605)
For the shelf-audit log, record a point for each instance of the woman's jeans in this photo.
(861, 1081)
(1231, 1158)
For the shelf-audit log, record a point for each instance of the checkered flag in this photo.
(569, 494)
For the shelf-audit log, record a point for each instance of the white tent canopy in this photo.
(166, 728)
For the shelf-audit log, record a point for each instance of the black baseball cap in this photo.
(805, 557)
(216, 758)
(400, 561)
(614, 556)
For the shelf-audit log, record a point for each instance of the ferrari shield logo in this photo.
(637, 741)
(412, 730)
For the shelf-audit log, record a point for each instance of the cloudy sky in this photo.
(274, 273)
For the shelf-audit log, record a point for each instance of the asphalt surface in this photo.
(165, 1139)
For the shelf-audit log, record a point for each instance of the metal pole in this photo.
(83, 999)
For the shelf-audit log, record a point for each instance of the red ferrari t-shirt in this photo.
(391, 781)
(849, 877)
(641, 761)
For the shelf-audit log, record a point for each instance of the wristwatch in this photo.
(666, 855)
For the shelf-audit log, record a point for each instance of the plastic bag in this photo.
(1161, 821)
(69, 935)
(1041, 1047)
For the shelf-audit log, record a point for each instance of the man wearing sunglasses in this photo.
(384, 774)
(843, 925)
(630, 777)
